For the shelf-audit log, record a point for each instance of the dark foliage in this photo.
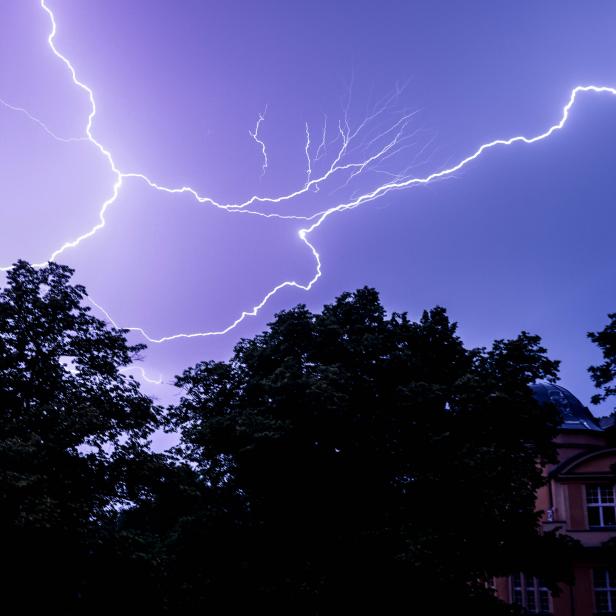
(70, 425)
(604, 375)
(371, 463)
(339, 462)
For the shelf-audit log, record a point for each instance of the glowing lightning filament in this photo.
(375, 194)
(338, 166)
(259, 141)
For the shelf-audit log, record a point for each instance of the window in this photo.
(604, 582)
(601, 505)
(531, 593)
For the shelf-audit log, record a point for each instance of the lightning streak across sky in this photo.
(256, 137)
(376, 147)
(144, 375)
(41, 124)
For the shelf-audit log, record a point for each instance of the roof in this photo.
(575, 415)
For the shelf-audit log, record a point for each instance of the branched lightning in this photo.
(374, 148)
(255, 135)
(322, 149)
(308, 159)
(41, 124)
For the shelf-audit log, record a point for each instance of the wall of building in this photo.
(584, 457)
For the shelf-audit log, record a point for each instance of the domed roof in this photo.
(575, 415)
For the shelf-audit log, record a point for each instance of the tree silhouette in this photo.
(373, 462)
(604, 374)
(70, 424)
(341, 461)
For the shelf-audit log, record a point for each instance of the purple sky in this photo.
(521, 238)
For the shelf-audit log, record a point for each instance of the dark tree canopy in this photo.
(371, 461)
(70, 423)
(604, 375)
(347, 461)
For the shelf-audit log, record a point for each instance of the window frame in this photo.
(609, 577)
(533, 585)
(600, 505)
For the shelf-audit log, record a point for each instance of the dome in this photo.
(575, 415)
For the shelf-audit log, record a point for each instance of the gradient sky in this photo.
(522, 238)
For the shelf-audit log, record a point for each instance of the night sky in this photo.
(520, 238)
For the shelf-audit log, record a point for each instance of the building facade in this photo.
(580, 500)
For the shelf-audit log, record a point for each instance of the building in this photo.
(580, 499)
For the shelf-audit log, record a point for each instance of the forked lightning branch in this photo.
(376, 148)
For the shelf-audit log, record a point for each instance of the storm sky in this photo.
(353, 95)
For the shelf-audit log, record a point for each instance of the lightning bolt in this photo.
(395, 141)
(307, 152)
(322, 146)
(376, 193)
(144, 376)
(255, 135)
(41, 123)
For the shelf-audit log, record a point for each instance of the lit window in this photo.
(531, 593)
(604, 582)
(601, 505)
